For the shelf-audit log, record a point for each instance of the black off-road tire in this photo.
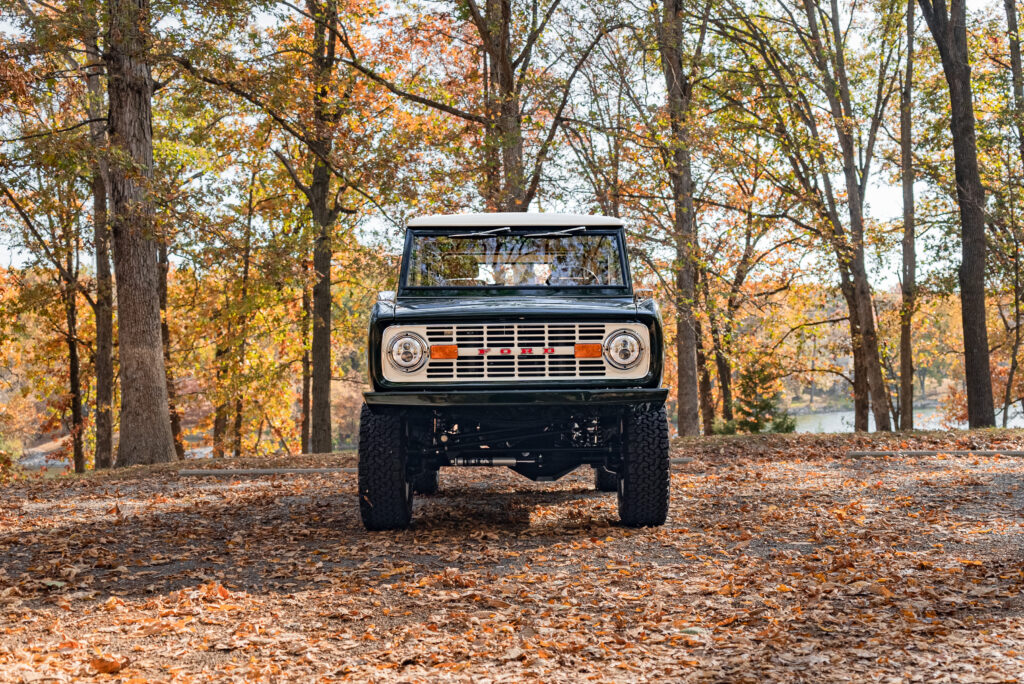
(605, 480)
(644, 478)
(385, 495)
(425, 482)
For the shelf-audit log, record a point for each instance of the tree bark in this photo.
(307, 318)
(909, 279)
(688, 405)
(165, 339)
(871, 360)
(504, 138)
(1015, 349)
(861, 401)
(145, 435)
(950, 33)
(220, 412)
(1016, 75)
(324, 217)
(320, 434)
(722, 365)
(236, 445)
(244, 308)
(707, 403)
(1017, 86)
(724, 369)
(103, 311)
(74, 366)
(679, 93)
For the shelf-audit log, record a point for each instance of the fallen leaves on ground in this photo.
(782, 561)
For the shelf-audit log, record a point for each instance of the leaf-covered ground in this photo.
(783, 560)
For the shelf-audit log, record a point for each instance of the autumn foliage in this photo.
(290, 143)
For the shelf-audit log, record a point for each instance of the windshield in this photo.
(541, 259)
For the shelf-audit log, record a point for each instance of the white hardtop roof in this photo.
(501, 219)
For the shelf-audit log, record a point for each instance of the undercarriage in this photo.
(541, 444)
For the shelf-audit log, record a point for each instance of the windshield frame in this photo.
(624, 290)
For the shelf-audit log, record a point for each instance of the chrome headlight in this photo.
(623, 349)
(408, 352)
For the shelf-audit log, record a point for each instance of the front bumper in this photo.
(382, 401)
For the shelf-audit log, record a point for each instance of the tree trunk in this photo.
(324, 216)
(869, 344)
(861, 402)
(165, 338)
(307, 317)
(74, 369)
(220, 412)
(1015, 349)
(707, 403)
(1017, 84)
(679, 92)
(723, 367)
(510, 127)
(320, 434)
(236, 446)
(909, 284)
(244, 323)
(145, 435)
(103, 311)
(687, 417)
(507, 138)
(950, 34)
(1017, 77)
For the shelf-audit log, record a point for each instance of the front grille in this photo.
(516, 352)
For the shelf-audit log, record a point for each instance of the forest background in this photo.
(795, 177)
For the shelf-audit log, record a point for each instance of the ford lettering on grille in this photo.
(510, 352)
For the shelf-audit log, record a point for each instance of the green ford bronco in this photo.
(514, 340)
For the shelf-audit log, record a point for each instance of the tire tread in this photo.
(644, 491)
(383, 504)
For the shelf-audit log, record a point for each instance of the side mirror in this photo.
(643, 293)
(386, 296)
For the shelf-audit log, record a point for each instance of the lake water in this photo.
(929, 418)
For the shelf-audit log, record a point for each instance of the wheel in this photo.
(425, 482)
(605, 480)
(644, 478)
(385, 495)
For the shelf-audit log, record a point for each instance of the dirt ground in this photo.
(783, 559)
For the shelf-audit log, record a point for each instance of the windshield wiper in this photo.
(558, 233)
(483, 233)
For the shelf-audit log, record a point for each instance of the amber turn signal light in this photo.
(444, 351)
(588, 351)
